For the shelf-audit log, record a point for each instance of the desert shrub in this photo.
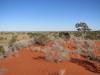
(85, 49)
(77, 34)
(92, 56)
(1, 49)
(13, 39)
(53, 35)
(56, 53)
(1, 38)
(92, 35)
(64, 35)
(41, 39)
(85, 45)
(33, 34)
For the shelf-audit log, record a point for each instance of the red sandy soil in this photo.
(98, 43)
(26, 64)
(97, 50)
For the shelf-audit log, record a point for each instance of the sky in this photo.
(48, 15)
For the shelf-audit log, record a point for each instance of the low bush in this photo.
(2, 49)
(41, 39)
(56, 52)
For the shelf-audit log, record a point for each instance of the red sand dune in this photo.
(97, 50)
(98, 43)
(25, 64)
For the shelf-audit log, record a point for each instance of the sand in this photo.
(25, 63)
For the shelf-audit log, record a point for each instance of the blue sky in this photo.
(48, 15)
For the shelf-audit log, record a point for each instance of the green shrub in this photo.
(64, 35)
(41, 39)
(1, 49)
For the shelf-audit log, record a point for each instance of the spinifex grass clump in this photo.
(86, 49)
(1, 49)
(41, 39)
(56, 52)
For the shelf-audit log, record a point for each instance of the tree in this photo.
(83, 28)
